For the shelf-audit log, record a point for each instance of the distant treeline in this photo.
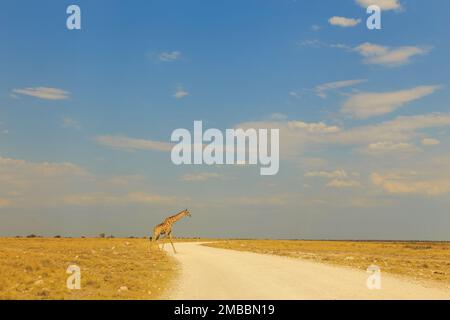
(101, 235)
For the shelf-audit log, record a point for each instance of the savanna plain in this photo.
(131, 268)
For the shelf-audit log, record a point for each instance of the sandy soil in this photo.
(212, 273)
(429, 261)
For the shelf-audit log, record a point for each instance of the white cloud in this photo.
(401, 129)
(425, 177)
(389, 147)
(374, 53)
(299, 136)
(412, 183)
(169, 56)
(132, 144)
(38, 169)
(44, 93)
(368, 104)
(27, 183)
(430, 142)
(296, 94)
(202, 176)
(318, 127)
(322, 89)
(383, 4)
(337, 178)
(102, 199)
(339, 183)
(343, 22)
(327, 174)
(390, 57)
(180, 93)
(315, 43)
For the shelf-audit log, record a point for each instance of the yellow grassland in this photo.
(110, 268)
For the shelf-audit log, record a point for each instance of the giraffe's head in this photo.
(187, 213)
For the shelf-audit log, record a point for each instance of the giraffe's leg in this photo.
(170, 238)
(164, 242)
(155, 239)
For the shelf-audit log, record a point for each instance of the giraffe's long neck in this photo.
(176, 217)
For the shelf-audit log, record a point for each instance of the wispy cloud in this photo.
(327, 174)
(296, 134)
(368, 104)
(313, 127)
(337, 179)
(340, 183)
(45, 93)
(430, 142)
(105, 199)
(383, 4)
(132, 144)
(27, 183)
(70, 123)
(412, 183)
(382, 148)
(38, 169)
(180, 93)
(169, 56)
(374, 53)
(299, 136)
(315, 43)
(322, 89)
(390, 57)
(401, 129)
(200, 177)
(343, 22)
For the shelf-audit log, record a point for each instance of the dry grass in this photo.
(36, 268)
(419, 260)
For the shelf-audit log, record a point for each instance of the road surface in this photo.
(211, 273)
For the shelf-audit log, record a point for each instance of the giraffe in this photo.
(165, 228)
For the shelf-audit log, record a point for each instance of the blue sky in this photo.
(364, 117)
